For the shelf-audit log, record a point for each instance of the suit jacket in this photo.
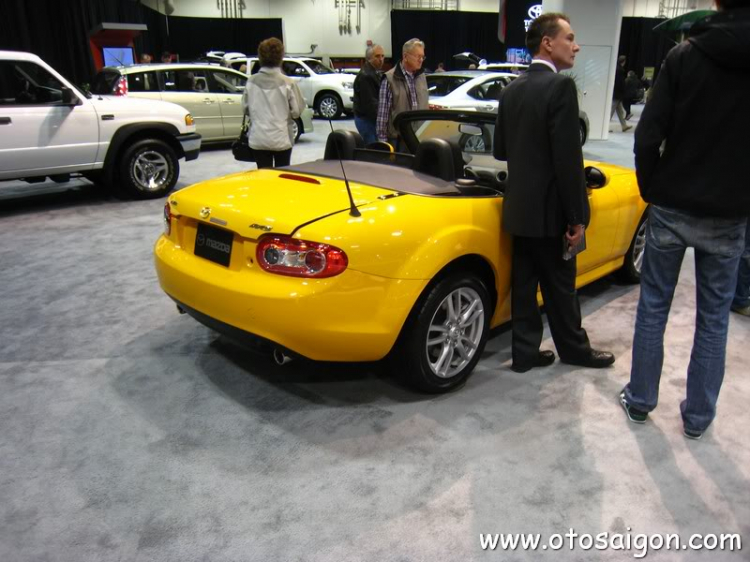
(537, 133)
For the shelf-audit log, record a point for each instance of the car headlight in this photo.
(189, 120)
(348, 85)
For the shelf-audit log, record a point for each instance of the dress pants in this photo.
(538, 261)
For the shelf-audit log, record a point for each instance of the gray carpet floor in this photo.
(131, 433)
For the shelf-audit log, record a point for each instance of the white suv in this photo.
(48, 128)
(329, 93)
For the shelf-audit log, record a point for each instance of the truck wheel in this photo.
(149, 168)
(329, 106)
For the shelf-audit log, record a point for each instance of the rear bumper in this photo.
(351, 317)
(191, 145)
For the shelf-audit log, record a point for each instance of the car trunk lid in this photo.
(277, 201)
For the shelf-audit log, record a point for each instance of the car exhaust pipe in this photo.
(280, 358)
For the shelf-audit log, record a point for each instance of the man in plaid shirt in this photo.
(403, 89)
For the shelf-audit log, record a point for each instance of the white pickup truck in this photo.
(49, 128)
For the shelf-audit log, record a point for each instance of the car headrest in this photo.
(342, 144)
(439, 158)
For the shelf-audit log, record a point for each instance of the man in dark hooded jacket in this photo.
(700, 197)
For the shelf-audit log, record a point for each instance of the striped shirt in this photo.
(386, 102)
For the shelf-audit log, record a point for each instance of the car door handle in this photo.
(229, 100)
(5, 121)
(489, 107)
(208, 101)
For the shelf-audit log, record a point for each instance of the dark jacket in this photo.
(537, 133)
(632, 85)
(700, 106)
(619, 90)
(366, 92)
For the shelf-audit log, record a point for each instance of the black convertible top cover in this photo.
(396, 178)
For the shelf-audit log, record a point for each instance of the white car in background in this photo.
(328, 92)
(49, 128)
(478, 90)
(512, 67)
(212, 94)
(467, 89)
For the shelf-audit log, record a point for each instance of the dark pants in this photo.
(626, 103)
(367, 129)
(272, 158)
(538, 261)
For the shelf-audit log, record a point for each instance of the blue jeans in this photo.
(718, 244)
(367, 128)
(742, 293)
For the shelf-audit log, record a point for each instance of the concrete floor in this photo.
(130, 433)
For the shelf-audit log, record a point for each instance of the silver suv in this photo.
(211, 93)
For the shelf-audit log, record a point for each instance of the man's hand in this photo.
(574, 234)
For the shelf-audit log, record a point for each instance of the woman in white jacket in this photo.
(272, 101)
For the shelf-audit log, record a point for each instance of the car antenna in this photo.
(353, 211)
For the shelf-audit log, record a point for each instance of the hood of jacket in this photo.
(724, 37)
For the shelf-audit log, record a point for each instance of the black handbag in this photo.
(240, 148)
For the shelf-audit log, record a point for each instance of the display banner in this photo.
(518, 16)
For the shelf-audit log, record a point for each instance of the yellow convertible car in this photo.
(368, 254)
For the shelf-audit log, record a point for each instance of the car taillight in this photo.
(299, 258)
(122, 86)
(167, 219)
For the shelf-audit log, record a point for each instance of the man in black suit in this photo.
(545, 202)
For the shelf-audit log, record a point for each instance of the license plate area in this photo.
(213, 244)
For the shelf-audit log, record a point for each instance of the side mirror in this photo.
(595, 178)
(69, 97)
(469, 129)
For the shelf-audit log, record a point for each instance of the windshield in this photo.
(438, 86)
(318, 67)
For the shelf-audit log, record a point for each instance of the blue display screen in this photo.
(118, 56)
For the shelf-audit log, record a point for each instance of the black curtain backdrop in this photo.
(642, 45)
(446, 34)
(190, 37)
(58, 31)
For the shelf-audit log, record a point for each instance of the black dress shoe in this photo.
(544, 359)
(594, 360)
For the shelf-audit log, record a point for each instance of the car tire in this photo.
(430, 365)
(329, 106)
(148, 169)
(297, 127)
(631, 269)
(582, 132)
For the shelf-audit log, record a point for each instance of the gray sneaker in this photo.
(744, 310)
(692, 434)
(634, 414)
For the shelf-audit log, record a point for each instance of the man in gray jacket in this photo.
(404, 88)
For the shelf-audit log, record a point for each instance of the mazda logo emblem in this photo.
(535, 11)
(200, 240)
(205, 211)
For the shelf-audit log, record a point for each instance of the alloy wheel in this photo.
(329, 107)
(150, 170)
(455, 332)
(639, 247)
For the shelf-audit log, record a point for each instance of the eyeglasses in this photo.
(418, 57)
